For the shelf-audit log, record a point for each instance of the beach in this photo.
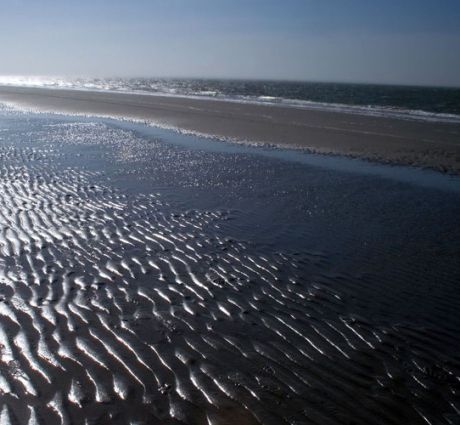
(155, 276)
(421, 143)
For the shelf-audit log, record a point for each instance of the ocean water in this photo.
(426, 103)
(149, 277)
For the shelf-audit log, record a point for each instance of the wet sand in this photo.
(144, 282)
(389, 140)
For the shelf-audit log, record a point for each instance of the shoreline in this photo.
(425, 144)
(379, 111)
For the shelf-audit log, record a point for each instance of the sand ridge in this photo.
(424, 144)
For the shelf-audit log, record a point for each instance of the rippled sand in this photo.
(124, 302)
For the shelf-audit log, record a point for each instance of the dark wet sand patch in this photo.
(122, 306)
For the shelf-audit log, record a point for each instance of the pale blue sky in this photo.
(391, 41)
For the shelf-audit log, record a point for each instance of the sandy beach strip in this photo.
(420, 143)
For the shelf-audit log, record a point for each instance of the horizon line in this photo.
(229, 78)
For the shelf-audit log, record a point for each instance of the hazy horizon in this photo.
(415, 43)
(224, 78)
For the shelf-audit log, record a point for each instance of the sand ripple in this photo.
(118, 308)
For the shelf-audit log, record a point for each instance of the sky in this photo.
(379, 41)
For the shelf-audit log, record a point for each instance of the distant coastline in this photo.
(394, 101)
(377, 137)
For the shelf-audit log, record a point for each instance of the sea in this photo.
(412, 102)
